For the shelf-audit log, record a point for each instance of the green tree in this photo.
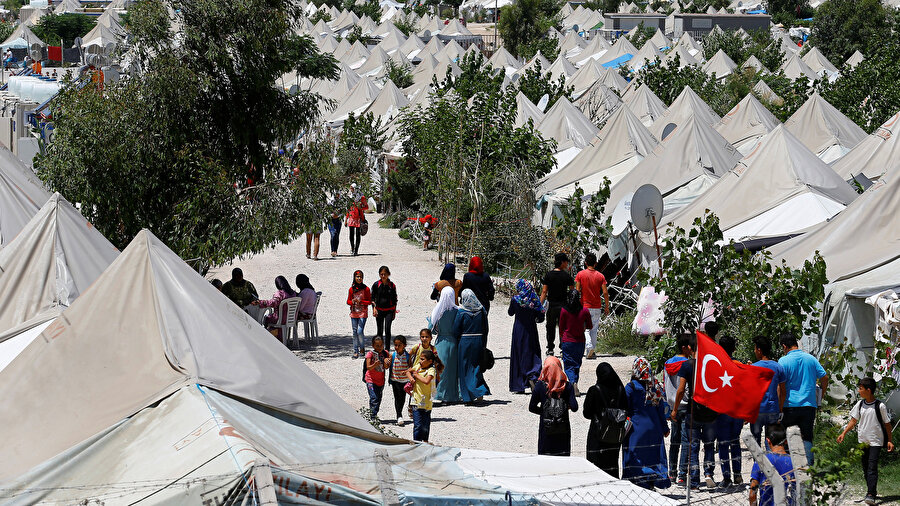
(786, 11)
(475, 77)
(57, 30)
(603, 5)
(841, 27)
(399, 73)
(369, 8)
(535, 83)
(188, 146)
(793, 93)
(765, 48)
(642, 35)
(868, 94)
(6, 29)
(320, 16)
(525, 22)
(667, 81)
(728, 41)
(406, 23)
(582, 227)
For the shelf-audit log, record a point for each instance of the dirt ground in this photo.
(502, 422)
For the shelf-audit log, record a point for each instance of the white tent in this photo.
(571, 45)
(754, 63)
(720, 65)
(356, 56)
(682, 166)
(855, 59)
(454, 28)
(338, 90)
(21, 195)
(685, 58)
(526, 110)
(583, 78)
(598, 103)
(764, 92)
(503, 59)
(22, 37)
(67, 7)
(388, 102)
(392, 41)
(101, 35)
(567, 125)
(794, 68)
(686, 105)
(778, 189)
(874, 154)
(537, 59)
(622, 51)
(645, 105)
(412, 46)
(596, 48)
(561, 68)
(745, 123)
(155, 388)
(646, 56)
(818, 63)
(356, 102)
(612, 79)
(823, 129)
(660, 41)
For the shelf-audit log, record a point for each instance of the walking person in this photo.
(384, 302)
(874, 432)
(482, 285)
(525, 349)
(312, 237)
(401, 362)
(773, 401)
(553, 397)
(447, 345)
(607, 393)
(574, 319)
(359, 299)
(334, 228)
(469, 330)
(728, 433)
(423, 375)
(355, 218)
(801, 371)
(678, 442)
(556, 284)
(595, 297)
(448, 278)
(377, 362)
(644, 455)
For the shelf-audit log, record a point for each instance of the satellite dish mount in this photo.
(646, 208)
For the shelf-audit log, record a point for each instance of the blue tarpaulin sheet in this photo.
(618, 62)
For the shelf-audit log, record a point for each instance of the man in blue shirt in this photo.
(776, 438)
(773, 402)
(801, 371)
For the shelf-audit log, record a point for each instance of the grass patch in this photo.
(615, 336)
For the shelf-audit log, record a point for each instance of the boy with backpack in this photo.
(874, 431)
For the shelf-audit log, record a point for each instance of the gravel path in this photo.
(501, 423)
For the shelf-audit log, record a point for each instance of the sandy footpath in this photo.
(501, 423)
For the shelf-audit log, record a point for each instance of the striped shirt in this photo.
(399, 366)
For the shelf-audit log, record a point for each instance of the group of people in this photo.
(354, 220)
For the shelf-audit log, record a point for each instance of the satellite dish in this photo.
(542, 103)
(668, 131)
(109, 48)
(110, 75)
(646, 207)
(293, 90)
(78, 42)
(622, 215)
(427, 34)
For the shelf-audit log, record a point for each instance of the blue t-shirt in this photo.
(769, 403)
(801, 370)
(785, 468)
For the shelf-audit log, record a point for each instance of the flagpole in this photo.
(691, 434)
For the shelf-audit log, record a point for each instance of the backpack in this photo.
(880, 419)
(612, 424)
(555, 420)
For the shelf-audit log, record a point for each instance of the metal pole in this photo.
(496, 19)
(656, 241)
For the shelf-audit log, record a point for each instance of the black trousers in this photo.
(552, 322)
(383, 323)
(870, 468)
(399, 396)
(355, 239)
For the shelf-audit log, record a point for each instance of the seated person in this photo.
(239, 290)
(307, 307)
(283, 291)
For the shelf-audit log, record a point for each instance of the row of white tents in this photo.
(108, 30)
(127, 378)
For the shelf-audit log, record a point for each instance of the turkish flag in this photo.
(726, 386)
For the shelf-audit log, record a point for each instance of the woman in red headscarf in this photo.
(552, 398)
(479, 282)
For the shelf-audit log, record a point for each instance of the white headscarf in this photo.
(445, 303)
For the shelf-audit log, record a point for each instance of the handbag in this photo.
(612, 425)
(408, 387)
(364, 226)
(487, 359)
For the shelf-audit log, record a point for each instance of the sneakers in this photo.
(738, 480)
(591, 355)
(870, 499)
(725, 483)
(710, 482)
(400, 421)
(575, 386)
(549, 352)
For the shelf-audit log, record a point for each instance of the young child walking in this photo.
(376, 362)
(425, 337)
(423, 375)
(874, 431)
(401, 361)
(359, 299)
(384, 302)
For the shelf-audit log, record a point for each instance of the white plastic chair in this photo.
(287, 312)
(311, 325)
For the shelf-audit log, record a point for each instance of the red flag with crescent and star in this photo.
(725, 386)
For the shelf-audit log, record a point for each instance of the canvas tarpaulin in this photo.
(824, 129)
(875, 154)
(745, 123)
(21, 195)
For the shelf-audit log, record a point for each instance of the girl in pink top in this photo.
(574, 319)
(359, 299)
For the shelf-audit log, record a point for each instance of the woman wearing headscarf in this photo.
(551, 388)
(447, 345)
(479, 282)
(525, 350)
(283, 291)
(574, 319)
(468, 328)
(644, 457)
(609, 392)
(308, 296)
(448, 278)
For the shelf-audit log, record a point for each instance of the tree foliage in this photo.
(58, 30)
(787, 11)
(641, 35)
(749, 295)
(841, 27)
(187, 145)
(603, 5)
(582, 227)
(6, 29)
(523, 23)
(536, 83)
(868, 94)
(474, 77)
(399, 73)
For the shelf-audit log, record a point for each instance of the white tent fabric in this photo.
(526, 110)
(612, 79)
(645, 105)
(685, 58)
(21, 37)
(764, 92)
(388, 103)
(537, 59)
(583, 79)
(21, 196)
(356, 102)
(67, 7)
(454, 28)
(646, 56)
(818, 63)
(571, 45)
(754, 63)
(564, 122)
(766, 185)
(745, 123)
(823, 129)
(855, 59)
(100, 35)
(148, 326)
(356, 56)
(660, 41)
(622, 47)
(596, 48)
(687, 105)
(503, 59)
(392, 41)
(598, 103)
(693, 150)
(54, 259)
(412, 46)
(794, 68)
(720, 65)
(561, 67)
(875, 154)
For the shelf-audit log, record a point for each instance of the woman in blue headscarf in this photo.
(468, 328)
(525, 352)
